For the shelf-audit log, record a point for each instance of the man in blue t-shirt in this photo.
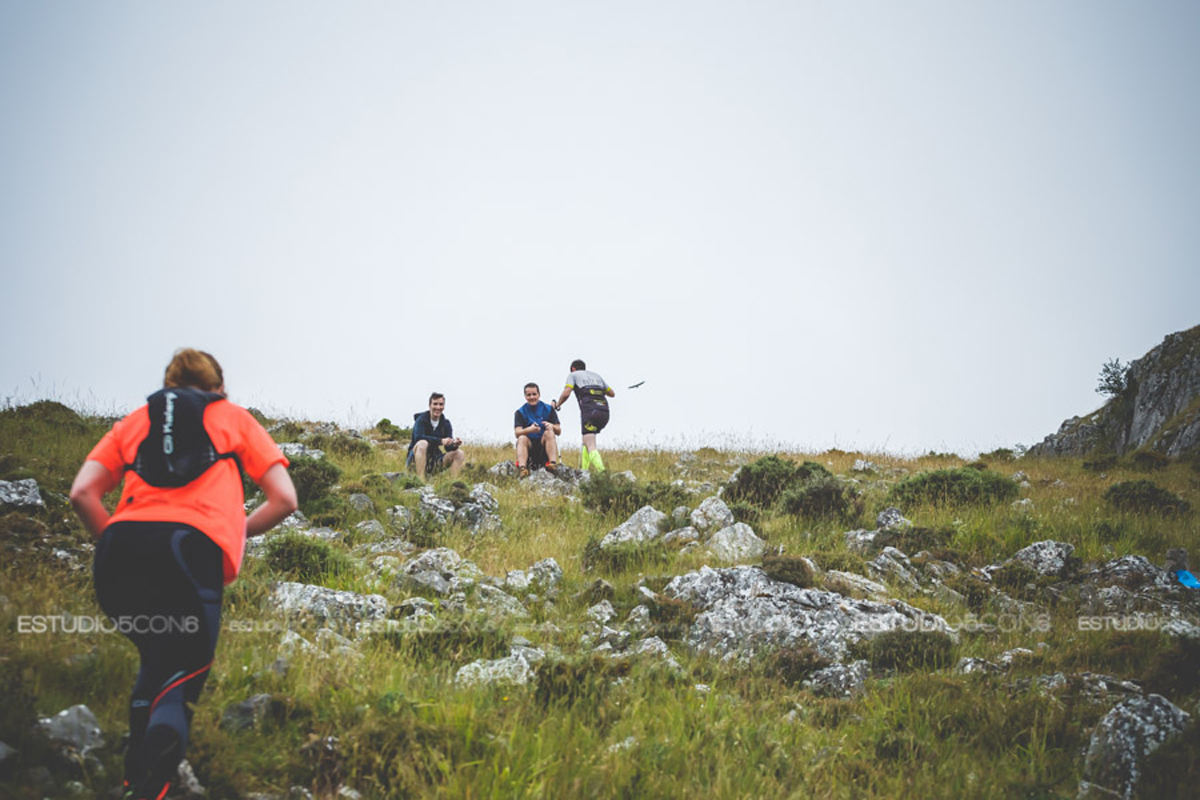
(537, 429)
(431, 432)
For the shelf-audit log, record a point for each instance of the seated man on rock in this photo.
(430, 433)
(537, 429)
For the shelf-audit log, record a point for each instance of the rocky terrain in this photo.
(827, 624)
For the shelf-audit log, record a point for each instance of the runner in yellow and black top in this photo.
(592, 392)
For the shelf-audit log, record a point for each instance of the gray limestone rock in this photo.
(742, 612)
(360, 502)
(75, 727)
(514, 669)
(371, 528)
(861, 541)
(643, 527)
(435, 508)
(862, 465)
(968, 665)
(400, 518)
(440, 570)
(496, 602)
(21, 494)
(327, 605)
(1047, 558)
(1121, 742)
(504, 469)
(736, 543)
(839, 680)
(891, 518)
(298, 450)
(484, 495)
(893, 565)
(602, 612)
(712, 515)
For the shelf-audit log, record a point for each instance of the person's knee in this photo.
(456, 457)
(420, 448)
(548, 435)
(523, 440)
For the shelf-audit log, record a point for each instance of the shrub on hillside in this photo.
(905, 650)
(614, 494)
(999, 454)
(393, 431)
(313, 477)
(341, 444)
(824, 497)
(585, 681)
(789, 569)
(304, 558)
(1145, 497)
(953, 487)
(760, 483)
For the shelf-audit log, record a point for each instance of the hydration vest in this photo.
(178, 449)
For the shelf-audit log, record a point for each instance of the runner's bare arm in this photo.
(90, 485)
(281, 501)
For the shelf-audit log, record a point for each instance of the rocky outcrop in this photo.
(1159, 409)
(740, 611)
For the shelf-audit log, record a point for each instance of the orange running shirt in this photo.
(214, 502)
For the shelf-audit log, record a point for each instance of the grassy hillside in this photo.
(591, 725)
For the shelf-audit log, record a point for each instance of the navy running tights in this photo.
(161, 583)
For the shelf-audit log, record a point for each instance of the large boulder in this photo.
(643, 527)
(327, 605)
(736, 543)
(1121, 742)
(712, 515)
(742, 612)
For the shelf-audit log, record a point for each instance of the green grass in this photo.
(589, 726)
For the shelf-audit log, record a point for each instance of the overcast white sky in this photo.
(877, 225)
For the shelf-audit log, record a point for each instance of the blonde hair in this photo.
(194, 368)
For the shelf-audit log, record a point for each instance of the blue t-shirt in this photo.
(532, 415)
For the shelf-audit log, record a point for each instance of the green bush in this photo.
(341, 444)
(613, 494)
(823, 497)
(393, 431)
(961, 486)
(761, 482)
(789, 569)
(905, 650)
(745, 512)
(304, 558)
(999, 454)
(1145, 497)
(313, 477)
(584, 682)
